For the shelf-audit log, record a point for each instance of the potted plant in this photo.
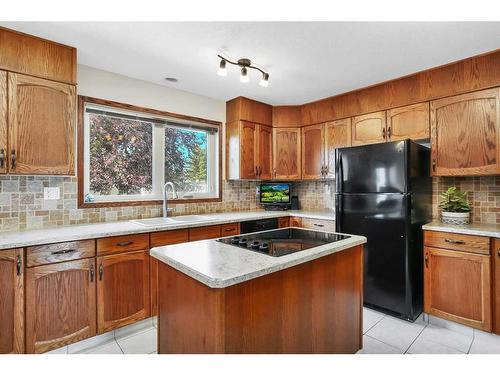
(455, 207)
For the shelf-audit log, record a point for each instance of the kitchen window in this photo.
(129, 154)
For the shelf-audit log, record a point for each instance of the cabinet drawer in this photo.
(203, 233)
(229, 229)
(283, 222)
(462, 242)
(324, 225)
(169, 237)
(120, 244)
(59, 252)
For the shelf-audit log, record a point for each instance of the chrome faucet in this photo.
(165, 197)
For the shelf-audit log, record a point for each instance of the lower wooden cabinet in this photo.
(123, 289)
(457, 286)
(283, 222)
(318, 224)
(60, 304)
(495, 262)
(295, 221)
(11, 301)
(204, 233)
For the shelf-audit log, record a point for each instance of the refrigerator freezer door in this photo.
(378, 168)
(382, 218)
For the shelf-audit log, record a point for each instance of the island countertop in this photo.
(219, 265)
(475, 229)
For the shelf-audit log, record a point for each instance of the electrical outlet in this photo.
(51, 193)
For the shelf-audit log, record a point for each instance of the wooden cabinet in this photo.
(248, 150)
(457, 285)
(318, 224)
(337, 134)
(231, 229)
(39, 109)
(295, 221)
(3, 122)
(411, 122)
(369, 128)
(204, 233)
(60, 304)
(283, 222)
(495, 263)
(121, 244)
(465, 134)
(123, 294)
(59, 252)
(241, 108)
(264, 151)
(287, 153)
(11, 301)
(313, 152)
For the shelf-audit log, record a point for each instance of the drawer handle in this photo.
(101, 271)
(426, 260)
(319, 225)
(19, 265)
(124, 243)
(61, 252)
(456, 242)
(2, 158)
(92, 273)
(229, 230)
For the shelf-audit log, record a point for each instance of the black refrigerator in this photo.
(384, 192)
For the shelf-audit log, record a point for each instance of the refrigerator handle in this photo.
(338, 213)
(338, 171)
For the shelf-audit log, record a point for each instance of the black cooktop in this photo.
(279, 242)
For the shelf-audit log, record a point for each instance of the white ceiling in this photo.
(306, 60)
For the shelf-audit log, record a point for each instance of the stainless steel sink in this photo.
(159, 221)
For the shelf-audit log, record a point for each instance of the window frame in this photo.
(83, 157)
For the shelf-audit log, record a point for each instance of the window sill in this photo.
(147, 202)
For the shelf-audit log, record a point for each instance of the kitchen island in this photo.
(219, 298)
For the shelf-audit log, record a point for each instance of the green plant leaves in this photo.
(453, 200)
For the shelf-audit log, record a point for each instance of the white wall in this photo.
(106, 85)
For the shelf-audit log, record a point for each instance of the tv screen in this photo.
(274, 193)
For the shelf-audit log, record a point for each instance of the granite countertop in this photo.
(218, 265)
(87, 231)
(487, 230)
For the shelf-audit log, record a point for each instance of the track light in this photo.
(245, 64)
(244, 75)
(264, 81)
(222, 68)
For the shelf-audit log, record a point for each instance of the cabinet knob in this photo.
(383, 134)
(389, 132)
(101, 271)
(498, 253)
(92, 273)
(13, 159)
(434, 165)
(426, 260)
(2, 158)
(19, 265)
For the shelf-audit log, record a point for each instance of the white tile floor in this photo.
(383, 334)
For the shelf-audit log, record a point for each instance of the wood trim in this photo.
(80, 154)
(495, 276)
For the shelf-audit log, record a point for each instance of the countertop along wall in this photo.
(21, 197)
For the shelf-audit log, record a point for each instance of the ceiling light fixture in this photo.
(245, 64)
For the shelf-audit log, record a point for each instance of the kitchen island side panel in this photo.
(314, 307)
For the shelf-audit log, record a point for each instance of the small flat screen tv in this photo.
(274, 193)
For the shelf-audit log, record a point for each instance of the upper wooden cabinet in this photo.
(465, 134)
(337, 134)
(287, 153)
(38, 110)
(27, 54)
(241, 108)
(369, 128)
(408, 122)
(286, 116)
(248, 150)
(313, 152)
(123, 294)
(11, 301)
(3, 122)
(60, 304)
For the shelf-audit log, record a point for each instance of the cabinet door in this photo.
(313, 152)
(457, 287)
(286, 153)
(465, 134)
(248, 150)
(60, 304)
(122, 289)
(369, 128)
(495, 261)
(11, 301)
(3, 122)
(265, 152)
(408, 122)
(41, 110)
(337, 134)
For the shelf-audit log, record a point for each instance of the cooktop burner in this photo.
(279, 242)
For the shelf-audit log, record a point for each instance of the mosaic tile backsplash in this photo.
(22, 205)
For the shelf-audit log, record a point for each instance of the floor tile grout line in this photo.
(374, 326)
(119, 346)
(409, 346)
(392, 346)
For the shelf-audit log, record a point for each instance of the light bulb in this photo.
(264, 81)
(222, 68)
(244, 75)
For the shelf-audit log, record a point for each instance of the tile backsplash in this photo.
(22, 205)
